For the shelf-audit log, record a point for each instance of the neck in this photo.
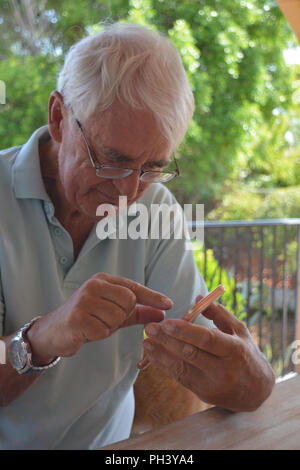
(64, 212)
(70, 218)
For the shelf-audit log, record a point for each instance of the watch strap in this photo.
(29, 367)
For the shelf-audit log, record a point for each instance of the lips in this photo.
(115, 200)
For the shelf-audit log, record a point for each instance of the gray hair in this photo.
(132, 64)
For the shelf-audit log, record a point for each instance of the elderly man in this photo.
(73, 306)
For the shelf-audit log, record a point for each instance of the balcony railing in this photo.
(260, 262)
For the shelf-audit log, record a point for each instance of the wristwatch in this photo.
(20, 355)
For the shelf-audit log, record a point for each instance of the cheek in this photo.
(76, 182)
(73, 166)
(143, 187)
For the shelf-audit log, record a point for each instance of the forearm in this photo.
(12, 384)
(62, 332)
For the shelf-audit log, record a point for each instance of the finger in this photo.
(203, 360)
(119, 295)
(94, 329)
(185, 373)
(199, 297)
(108, 313)
(210, 340)
(143, 314)
(224, 320)
(144, 295)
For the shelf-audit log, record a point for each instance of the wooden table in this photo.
(275, 425)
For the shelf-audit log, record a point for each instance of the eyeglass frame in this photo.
(96, 166)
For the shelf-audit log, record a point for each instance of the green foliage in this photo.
(281, 364)
(29, 80)
(232, 52)
(242, 204)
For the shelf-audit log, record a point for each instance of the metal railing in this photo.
(261, 262)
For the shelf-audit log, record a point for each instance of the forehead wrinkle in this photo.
(116, 155)
(102, 134)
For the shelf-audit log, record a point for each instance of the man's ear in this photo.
(56, 114)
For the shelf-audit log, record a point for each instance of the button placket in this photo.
(63, 260)
(62, 244)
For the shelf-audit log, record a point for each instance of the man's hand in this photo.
(102, 305)
(222, 366)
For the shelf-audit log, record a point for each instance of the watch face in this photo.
(17, 354)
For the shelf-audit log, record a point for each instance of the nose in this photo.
(128, 186)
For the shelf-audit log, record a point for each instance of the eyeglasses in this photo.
(112, 172)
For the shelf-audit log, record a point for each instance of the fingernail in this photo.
(167, 302)
(168, 327)
(152, 330)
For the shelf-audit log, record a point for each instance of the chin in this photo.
(88, 207)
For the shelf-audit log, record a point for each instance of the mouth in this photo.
(112, 200)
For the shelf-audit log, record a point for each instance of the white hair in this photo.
(132, 64)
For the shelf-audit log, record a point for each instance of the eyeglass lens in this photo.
(118, 173)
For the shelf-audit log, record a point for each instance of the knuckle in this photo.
(241, 328)
(190, 352)
(100, 275)
(134, 287)
(208, 338)
(180, 371)
(92, 284)
(130, 300)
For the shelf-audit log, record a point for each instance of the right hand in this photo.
(102, 305)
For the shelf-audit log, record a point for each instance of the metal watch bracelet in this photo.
(34, 369)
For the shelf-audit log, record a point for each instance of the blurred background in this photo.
(241, 155)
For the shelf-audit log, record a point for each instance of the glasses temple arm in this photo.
(86, 143)
(177, 167)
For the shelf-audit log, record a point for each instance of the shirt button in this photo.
(57, 231)
(63, 260)
(48, 208)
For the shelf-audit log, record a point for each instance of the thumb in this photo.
(142, 314)
(222, 318)
(199, 297)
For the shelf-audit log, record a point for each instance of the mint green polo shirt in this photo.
(86, 401)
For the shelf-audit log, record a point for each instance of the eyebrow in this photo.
(114, 155)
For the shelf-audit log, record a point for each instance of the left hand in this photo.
(223, 366)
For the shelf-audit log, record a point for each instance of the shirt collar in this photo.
(26, 171)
